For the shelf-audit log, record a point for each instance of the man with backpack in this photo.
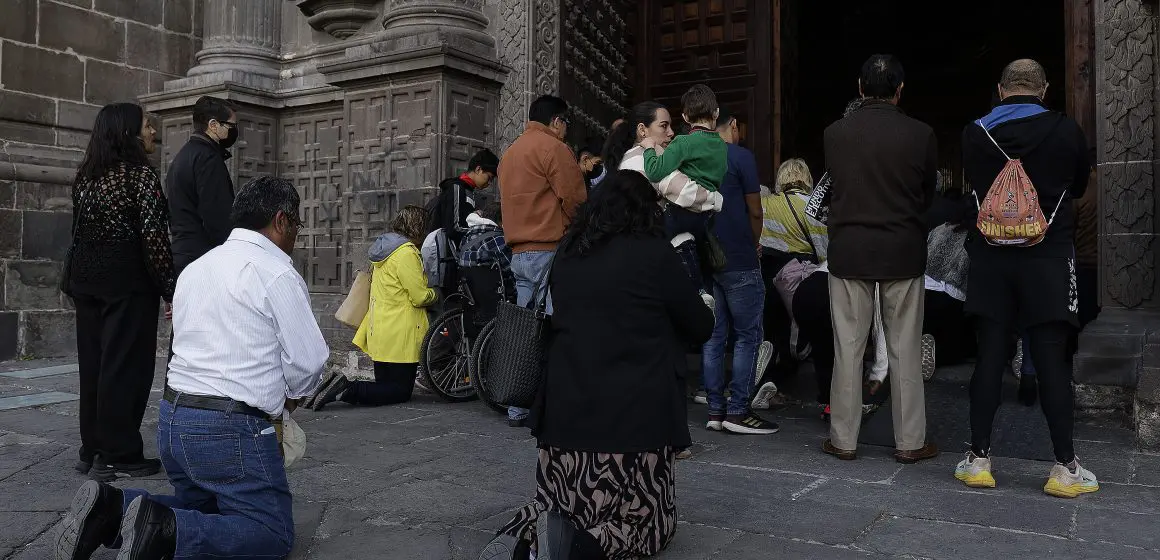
(1026, 165)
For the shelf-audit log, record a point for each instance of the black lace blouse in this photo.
(121, 233)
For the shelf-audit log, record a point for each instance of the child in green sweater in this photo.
(701, 155)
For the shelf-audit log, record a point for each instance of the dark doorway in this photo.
(953, 53)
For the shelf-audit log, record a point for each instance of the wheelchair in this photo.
(448, 354)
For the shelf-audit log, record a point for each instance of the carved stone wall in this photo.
(528, 38)
(594, 64)
(1126, 106)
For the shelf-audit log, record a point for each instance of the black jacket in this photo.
(624, 315)
(884, 166)
(1054, 153)
(455, 202)
(201, 196)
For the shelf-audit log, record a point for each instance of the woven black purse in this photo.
(518, 353)
(65, 280)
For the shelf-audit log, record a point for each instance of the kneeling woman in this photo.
(394, 326)
(612, 410)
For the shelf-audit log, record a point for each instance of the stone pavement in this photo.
(431, 481)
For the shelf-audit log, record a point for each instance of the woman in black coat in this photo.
(612, 411)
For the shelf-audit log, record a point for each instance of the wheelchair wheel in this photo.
(445, 357)
(479, 357)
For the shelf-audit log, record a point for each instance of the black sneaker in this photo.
(83, 466)
(749, 424)
(93, 520)
(148, 531)
(331, 392)
(108, 472)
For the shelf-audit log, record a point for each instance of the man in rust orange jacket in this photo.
(540, 187)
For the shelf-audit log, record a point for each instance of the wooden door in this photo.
(726, 44)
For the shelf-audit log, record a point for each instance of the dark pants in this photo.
(811, 311)
(1047, 345)
(953, 331)
(393, 384)
(116, 349)
(777, 326)
(230, 493)
(680, 220)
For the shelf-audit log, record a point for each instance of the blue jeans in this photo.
(530, 270)
(231, 497)
(740, 305)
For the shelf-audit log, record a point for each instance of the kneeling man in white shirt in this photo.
(246, 346)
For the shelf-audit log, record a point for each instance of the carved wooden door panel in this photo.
(726, 44)
(594, 53)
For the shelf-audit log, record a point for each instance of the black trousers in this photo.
(393, 384)
(116, 351)
(811, 311)
(953, 330)
(1048, 345)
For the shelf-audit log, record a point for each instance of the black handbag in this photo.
(65, 281)
(517, 357)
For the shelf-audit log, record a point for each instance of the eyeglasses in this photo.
(227, 124)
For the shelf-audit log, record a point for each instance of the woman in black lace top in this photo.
(120, 270)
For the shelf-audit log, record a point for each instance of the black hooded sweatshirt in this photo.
(1054, 153)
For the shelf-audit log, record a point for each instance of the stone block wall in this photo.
(60, 60)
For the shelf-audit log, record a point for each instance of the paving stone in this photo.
(307, 519)
(19, 529)
(920, 538)
(425, 501)
(48, 488)
(35, 373)
(1118, 527)
(54, 427)
(698, 541)
(405, 542)
(35, 399)
(15, 457)
(951, 502)
(761, 546)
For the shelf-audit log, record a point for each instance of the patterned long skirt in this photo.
(625, 500)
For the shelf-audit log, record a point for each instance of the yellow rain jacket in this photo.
(396, 323)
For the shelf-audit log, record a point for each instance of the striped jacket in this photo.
(677, 187)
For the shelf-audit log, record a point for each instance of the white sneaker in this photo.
(975, 472)
(701, 397)
(763, 395)
(1069, 481)
(709, 301)
(764, 355)
(928, 363)
(715, 423)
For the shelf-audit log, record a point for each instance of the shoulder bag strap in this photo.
(805, 231)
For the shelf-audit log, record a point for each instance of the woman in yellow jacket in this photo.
(396, 322)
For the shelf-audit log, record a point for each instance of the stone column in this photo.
(460, 22)
(241, 35)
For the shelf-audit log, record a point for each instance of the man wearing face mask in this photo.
(215, 433)
(198, 183)
(591, 163)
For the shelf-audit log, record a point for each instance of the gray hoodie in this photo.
(385, 245)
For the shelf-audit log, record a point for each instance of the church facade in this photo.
(366, 104)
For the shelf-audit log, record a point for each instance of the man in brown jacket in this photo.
(541, 187)
(884, 168)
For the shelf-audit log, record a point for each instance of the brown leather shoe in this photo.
(928, 451)
(842, 454)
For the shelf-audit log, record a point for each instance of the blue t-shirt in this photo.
(732, 224)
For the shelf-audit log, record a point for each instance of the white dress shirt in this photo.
(243, 327)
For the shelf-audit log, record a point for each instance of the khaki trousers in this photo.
(852, 312)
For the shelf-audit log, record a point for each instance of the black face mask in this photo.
(597, 170)
(231, 137)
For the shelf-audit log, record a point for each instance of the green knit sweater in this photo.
(702, 155)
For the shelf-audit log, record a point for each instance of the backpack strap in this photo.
(992, 139)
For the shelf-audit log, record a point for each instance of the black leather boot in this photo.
(557, 538)
(93, 520)
(148, 531)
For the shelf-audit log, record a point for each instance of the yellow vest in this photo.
(396, 322)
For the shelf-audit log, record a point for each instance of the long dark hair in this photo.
(625, 204)
(623, 137)
(116, 140)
